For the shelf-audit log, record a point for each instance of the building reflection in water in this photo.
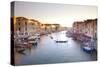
(17, 58)
(27, 51)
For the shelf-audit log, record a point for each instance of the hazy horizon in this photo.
(63, 14)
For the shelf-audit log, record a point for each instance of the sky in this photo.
(63, 14)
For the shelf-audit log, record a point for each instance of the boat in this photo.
(61, 41)
(20, 50)
(88, 47)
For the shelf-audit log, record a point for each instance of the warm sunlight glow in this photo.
(62, 21)
(14, 19)
(54, 13)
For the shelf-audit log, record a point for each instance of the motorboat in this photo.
(38, 35)
(61, 41)
(88, 46)
(33, 40)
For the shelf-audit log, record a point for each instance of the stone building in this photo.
(91, 28)
(87, 27)
(26, 27)
(21, 26)
(50, 27)
(33, 26)
(78, 26)
(86, 31)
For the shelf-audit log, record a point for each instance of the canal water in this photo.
(48, 51)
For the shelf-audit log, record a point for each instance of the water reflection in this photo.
(48, 51)
(28, 51)
(22, 52)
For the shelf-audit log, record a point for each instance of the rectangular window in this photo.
(19, 23)
(19, 28)
(25, 23)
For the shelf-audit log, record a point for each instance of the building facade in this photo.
(21, 26)
(87, 27)
(86, 31)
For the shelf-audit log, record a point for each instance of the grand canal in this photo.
(48, 51)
